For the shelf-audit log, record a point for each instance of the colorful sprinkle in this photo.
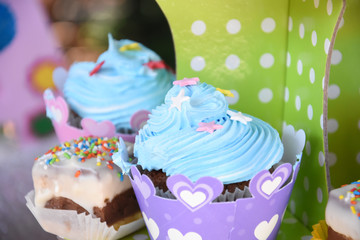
(157, 65)
(96, 68)
(186, 82)
(121, 176)
(227, 93)
(84, 149)
(352, 197)
(131, 46)
(77, 174)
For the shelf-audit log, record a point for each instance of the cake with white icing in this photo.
(80, 175)
(343, 212)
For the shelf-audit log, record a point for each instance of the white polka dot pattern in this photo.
(301, 30)
(198, 63)
(198, 27)
(233, 26)
(299, 67)
(232, 62)
(267, 60)
(265, 95)
(268, 25)
(313, 38)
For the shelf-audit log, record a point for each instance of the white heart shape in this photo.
(264, 229)
(56, 113)
(193, 199)
(175, 234)
(269, 186)
(151, 226)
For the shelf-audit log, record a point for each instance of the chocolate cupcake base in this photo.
(114, 212)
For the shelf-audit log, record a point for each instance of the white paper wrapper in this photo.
(70, 225)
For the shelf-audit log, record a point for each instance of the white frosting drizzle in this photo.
(87, 183)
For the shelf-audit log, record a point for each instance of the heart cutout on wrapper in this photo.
(194, 195)
(143, 186)
(56, 108)
(139, 119)
(151, 226)
(266, 184)
(143, 183)
(56, 114)
(175, 234)
(265, 228)
(100, 129)
(269, 186)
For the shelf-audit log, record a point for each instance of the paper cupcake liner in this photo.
(68, 224)
(320, 231)
(58, 111)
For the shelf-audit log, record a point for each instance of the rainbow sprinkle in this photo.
(83, 149)
(353, 196)
(96, 68)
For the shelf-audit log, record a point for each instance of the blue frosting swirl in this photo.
(235, 153)
(122, 86)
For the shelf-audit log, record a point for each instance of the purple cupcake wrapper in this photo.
(194, 214)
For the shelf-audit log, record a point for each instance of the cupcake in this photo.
(205, 171)
(342, 213)
(120, 89)
(78, 179)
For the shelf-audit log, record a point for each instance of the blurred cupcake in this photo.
(80, 194)
(222, 169)
(118, 91)
(342, 213)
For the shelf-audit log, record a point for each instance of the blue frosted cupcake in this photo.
(127, 78)
(195, 134)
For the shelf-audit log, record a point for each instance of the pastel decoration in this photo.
(186, 82)
(58, 111)
(138, 119)
(21, 98)
(194, 195)
(178, 100)
(238, 116)
(209, 127)
(100, 129)
(268, 183)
